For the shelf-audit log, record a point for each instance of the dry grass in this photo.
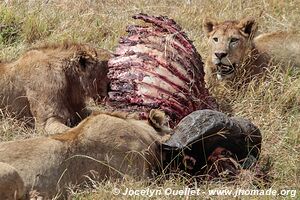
(273, 105)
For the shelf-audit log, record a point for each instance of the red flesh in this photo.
(157, 66)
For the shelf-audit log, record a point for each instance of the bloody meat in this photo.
(157, 66)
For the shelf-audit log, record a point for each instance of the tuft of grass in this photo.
(13, 129)
(34, 28)
(9, 27)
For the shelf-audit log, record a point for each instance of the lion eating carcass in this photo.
(50, 84)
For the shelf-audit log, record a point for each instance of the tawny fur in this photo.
(249, 55)
(105, 145)
(51, 83)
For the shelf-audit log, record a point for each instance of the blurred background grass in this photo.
(273, 105)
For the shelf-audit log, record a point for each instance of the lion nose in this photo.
(221, 55)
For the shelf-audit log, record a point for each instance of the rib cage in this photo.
(157, 66)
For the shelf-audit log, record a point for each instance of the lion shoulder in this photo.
(283, 46)
(117, 123)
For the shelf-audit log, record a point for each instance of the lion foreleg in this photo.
(54, 125)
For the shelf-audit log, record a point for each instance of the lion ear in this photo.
(158, 120)
(82, 60)
(248, 26)
(208, 25)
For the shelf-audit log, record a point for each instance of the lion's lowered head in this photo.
(91, 69)
(230, 43)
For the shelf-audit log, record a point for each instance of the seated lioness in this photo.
(106, 145)
(237, 54)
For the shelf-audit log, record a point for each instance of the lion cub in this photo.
(237, 54)
(51, 83)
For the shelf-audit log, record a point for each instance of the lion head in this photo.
(91, 67)
(230, 42)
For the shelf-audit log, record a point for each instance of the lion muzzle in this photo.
(225, 71)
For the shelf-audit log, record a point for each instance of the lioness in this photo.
(51, 83)
(103, 145)
(236, 52)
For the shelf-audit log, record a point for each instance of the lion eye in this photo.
(234, 40)
(215, 39)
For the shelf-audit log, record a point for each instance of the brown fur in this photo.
(247, 55)
(106, 145)
(51, 83)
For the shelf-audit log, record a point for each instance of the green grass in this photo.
(273, 105)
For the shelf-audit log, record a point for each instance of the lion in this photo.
(237, 53)
(48, 85)
(103, 146)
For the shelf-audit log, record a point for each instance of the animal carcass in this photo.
(157, 66)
